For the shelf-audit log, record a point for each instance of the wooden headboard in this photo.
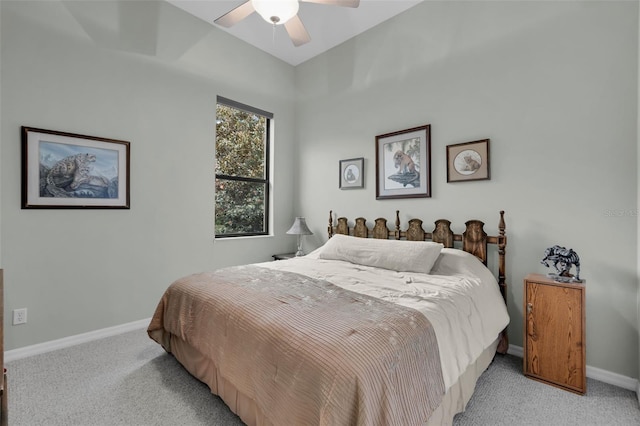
(474, 240)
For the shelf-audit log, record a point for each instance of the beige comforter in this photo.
(306, 352)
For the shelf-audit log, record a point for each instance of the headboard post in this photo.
(397, 224)
(503, 346)
(330, 223)
(502, 244)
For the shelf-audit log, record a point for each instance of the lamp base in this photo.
(299, 252)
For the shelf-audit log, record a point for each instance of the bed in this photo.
(378, 326)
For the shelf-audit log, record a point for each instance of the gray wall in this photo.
(552, 84)
(80, 67)
(0, 140)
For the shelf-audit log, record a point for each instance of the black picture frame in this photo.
(62, 170)
(403, 164)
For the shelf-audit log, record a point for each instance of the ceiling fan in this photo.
(279, 12)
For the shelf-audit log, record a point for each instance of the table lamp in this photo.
(299, 228)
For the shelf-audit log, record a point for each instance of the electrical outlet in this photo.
(20, 316)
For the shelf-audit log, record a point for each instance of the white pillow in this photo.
(397, 255)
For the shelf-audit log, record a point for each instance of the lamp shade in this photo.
(276, 12)
(299, 227)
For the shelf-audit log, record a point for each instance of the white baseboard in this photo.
(596, 374)
(66, 342)
(515, 351)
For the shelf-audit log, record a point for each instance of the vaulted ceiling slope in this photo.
(327, 25)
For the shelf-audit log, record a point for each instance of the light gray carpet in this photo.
(130, 380)
(504, 396)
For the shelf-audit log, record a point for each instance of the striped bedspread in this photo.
(305, 351)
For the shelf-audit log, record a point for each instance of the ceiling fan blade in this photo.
(296, 30)
(236, 15)
(344, 3)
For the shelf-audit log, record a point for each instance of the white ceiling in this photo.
(327, 25)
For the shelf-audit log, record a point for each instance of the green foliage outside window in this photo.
(241, 172)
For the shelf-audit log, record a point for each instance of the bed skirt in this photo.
(202, 368)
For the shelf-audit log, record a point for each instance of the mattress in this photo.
(460, 297)
(459, 300)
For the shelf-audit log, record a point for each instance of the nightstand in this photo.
(554, 345)
(283, 256)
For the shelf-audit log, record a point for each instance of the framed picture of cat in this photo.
(70, 171)
(403, 163)
(468, 161)
(351, 173)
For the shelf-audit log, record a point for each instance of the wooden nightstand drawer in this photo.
(554, 333)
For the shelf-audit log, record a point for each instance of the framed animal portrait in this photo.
(468, 161)
(403, 163)
(69, 171)
(351, 173)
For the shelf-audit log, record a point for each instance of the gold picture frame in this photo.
(468, 161)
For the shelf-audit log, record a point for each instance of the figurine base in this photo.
(563, 279)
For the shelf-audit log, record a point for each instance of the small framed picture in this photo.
(403, 164)
(69, 171)
(351, 173)
(468, 161)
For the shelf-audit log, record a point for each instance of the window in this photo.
(242, 169)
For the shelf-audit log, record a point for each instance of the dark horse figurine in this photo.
(563, 256)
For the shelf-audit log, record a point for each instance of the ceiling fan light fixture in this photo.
(276, 12)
